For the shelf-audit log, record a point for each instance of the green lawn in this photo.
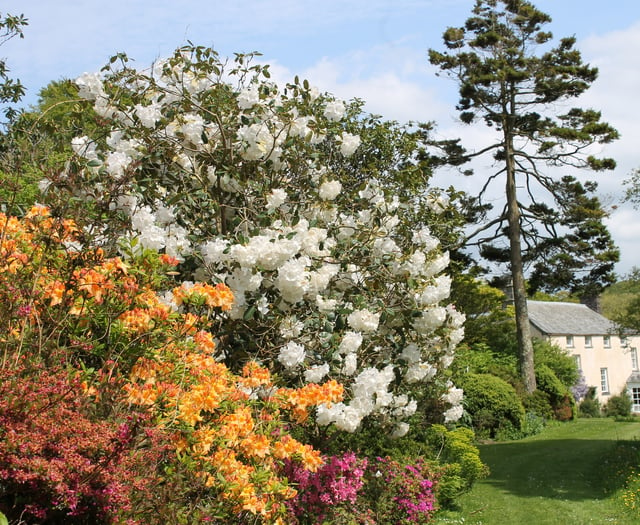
(567, 475)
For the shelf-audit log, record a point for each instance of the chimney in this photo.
(592, 301)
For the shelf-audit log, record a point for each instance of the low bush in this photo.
(493, 404)
(590, 405)
(618, 406)
(461, 460)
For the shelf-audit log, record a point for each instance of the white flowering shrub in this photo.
(314, 214)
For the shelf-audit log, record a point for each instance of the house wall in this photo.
(618, 360)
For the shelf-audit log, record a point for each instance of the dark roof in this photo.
(568, 319)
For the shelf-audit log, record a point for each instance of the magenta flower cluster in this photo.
(337, 482)
(383, 490)
(412, 490)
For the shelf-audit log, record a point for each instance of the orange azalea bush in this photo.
(135, 351)
(230, 425)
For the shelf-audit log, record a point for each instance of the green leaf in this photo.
(3, 519)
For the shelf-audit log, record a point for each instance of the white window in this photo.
(604, 380)
(635, 399)
(569, 341)
(588, 343)
(634, 359)
(607, 341)
(578, 361)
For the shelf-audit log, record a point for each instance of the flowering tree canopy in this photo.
(315, 215)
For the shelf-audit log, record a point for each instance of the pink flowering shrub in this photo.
(58, 464)
(402, 493)
(347, 489)
(337, 483)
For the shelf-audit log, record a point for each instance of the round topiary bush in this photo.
(493, 404)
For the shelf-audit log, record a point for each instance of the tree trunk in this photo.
(523, 328)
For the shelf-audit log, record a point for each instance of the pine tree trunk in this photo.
(523, 328)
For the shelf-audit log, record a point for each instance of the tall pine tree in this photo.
(512, 77)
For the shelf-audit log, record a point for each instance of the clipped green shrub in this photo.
(493, 404)
(460, 459)
(618, 406)
(590, 405)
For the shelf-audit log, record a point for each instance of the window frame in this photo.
(588, 341)
(635, 399)
(604, 381)
(578, 359)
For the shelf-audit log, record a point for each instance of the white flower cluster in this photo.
(155, 229)
(324, 268)
(454, 398)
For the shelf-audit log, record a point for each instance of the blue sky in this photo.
(370, 49)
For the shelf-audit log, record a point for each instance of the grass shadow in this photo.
(568, 469)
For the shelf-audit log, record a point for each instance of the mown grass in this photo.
(573, 473)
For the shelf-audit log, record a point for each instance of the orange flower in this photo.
(218, 296)
(257, 445)
(169, 260)
(204, 341)
(111, 265)
(93, 283)
(137, 320)
(54, 292)
(253, 375)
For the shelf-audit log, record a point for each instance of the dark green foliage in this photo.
(590, 405)
(560, 398)
(582, 258)
(493, 404)
(533, 424)
(539, 404)
(483, 359)
(11, 90)
(618, 406)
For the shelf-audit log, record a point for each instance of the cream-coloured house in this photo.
(609, 362)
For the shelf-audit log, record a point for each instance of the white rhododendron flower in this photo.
(149, 115)
(351, 342)
(276, 198)
(329, 190)
(248, 97)
(90, 86)
(349, 144)
(334, 110)
(363, 320)
(316, 373)
(453, 414)
(292, 355)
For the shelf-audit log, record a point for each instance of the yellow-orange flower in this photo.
(54, 292)
(204, 341)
